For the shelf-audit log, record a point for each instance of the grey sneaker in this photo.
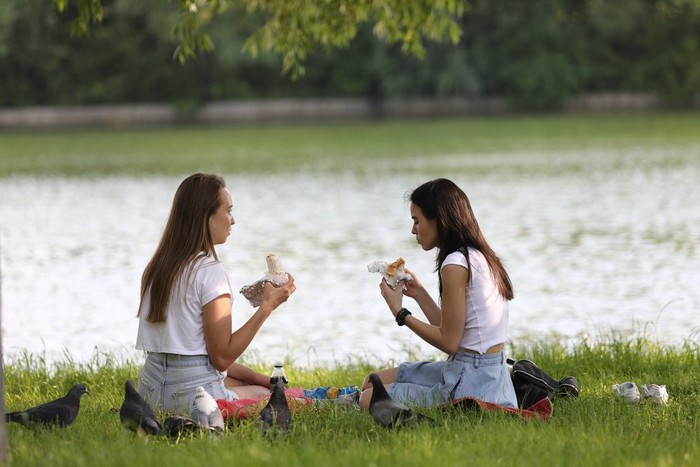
(627, 391)
(655, 393)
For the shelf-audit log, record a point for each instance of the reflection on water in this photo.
(595, 243)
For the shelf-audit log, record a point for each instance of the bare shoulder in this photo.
(454, 274)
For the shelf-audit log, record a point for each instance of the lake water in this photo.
(597, 243)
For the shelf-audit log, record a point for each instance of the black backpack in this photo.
(532, 384)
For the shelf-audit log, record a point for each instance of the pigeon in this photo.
(386, 411)
(205, 411)
(276, 415)
(176, 426)
(59, 412)
(135, 413)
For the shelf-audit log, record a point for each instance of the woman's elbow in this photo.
(452, 345)
(219, 362)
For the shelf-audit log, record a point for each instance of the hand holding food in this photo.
(392, 273)
(275, 274)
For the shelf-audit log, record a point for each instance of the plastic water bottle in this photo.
(278, 375)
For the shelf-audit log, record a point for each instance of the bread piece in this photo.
(275, 274)
(393, 273)
(394, 269)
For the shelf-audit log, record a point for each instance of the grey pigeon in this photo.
(135, 413)
(276, 415)
(205, 411)
(386, 411)
(59, 412)
(176, 426)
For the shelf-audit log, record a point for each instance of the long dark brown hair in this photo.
(185, 237)
(457, 228)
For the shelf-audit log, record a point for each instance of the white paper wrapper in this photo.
(275, 274)
(392, 273)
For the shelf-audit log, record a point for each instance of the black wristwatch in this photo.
(401, 316)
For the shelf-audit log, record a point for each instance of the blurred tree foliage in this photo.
(537, 53)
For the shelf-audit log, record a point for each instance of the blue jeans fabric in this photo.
(425, 384)
(169, 382)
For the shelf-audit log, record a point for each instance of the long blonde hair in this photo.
(185, 237)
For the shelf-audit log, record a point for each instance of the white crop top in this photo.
(487, 310)
(182, 332)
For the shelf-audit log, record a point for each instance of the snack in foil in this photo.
(275, 274)
(392, 273)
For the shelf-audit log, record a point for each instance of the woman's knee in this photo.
(387, 376)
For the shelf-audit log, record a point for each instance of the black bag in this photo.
(532, 384)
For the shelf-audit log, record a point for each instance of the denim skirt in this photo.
(169, 382)
(425, 384)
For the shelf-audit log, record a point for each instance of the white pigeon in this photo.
(205, 411)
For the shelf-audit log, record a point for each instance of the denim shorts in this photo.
(168, 381)
(425, 384)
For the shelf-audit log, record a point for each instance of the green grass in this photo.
(335, 146)
(590, 430)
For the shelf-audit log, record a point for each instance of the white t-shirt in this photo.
(487, 310)
(182, 332)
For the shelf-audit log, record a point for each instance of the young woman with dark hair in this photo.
(470, 321)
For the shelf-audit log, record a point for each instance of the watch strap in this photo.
(401, 316)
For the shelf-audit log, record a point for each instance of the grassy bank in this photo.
(590, 430)
(347, 146)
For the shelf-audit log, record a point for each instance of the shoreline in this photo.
(307, 110)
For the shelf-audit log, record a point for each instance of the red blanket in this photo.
(246, 408)
(542, 409)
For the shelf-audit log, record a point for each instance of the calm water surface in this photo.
(597, 243)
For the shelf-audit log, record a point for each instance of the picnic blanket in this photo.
(240, 409)
(542, 409)
(298, 401)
